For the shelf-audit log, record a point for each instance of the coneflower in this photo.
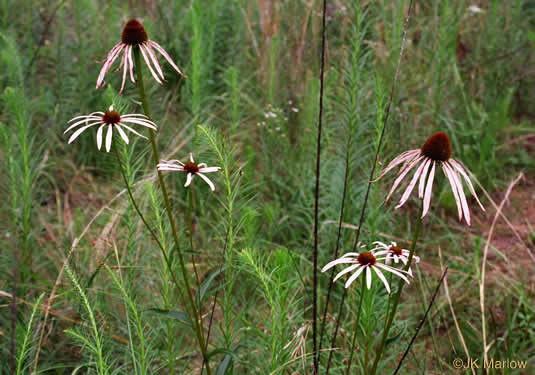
(191, 168)
(365, 261)
(135, 36)
(394, 252)
(435, 151)
(112, 120)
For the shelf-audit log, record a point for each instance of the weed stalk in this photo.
(196, 318)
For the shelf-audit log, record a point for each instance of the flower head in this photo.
(394, 252)
(191, 168)
(435, 151)
(112, 120)
(366, 260)
(135, 36)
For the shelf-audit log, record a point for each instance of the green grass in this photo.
(249, 104)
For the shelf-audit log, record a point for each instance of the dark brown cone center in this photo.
(366, 258)
(191, 167)
(396, 250)
(134, 33)
(111, 118)
(437, 147)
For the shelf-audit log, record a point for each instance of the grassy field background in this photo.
(249, 104)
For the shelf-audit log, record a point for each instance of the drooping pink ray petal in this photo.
(402, 176)
(155, 61)
(125, 63)
(462, 171)
(453, 185)
(407, 155)
(429, 190)
(130, 64)
(460, 192)
(110, 59)
(165, 55)
(411, 185)
(422, 179)
(147, 61)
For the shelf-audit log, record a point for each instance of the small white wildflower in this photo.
(112, 120)
(365, 261)
(191, 168)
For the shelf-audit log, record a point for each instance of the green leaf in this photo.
(180, 316)
(225, 363)
(206, 285)
(81, 338)
(394, 339)
(222, 350)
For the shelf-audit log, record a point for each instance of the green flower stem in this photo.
(155, 237)
(190, 234)
(355, 326)
(429, 321)
(196, 318)
(398, 292)
(129, 190)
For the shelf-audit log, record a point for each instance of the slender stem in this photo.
(430, 321)
(397, 296)
(129, 190)
(13, 342)
(355, 326)
(190, 235)
(372, 173)
(196, 318)
(422, 321)
(337, 249)
(155, 237)
(216, 294)
(316, 200)
(337, 326)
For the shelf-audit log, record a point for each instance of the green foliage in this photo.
(25, 349)
(249, 104)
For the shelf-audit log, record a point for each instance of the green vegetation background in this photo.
(253, 81)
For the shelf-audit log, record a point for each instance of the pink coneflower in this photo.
(191, 168)
(135, 36)
(112, 120)
(436, 150)
(394, 252)
(366, 260)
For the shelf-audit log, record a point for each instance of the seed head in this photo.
(366, 258)
(437, 147)
(191, 167)
(111, 117)
(396, 250)
(134, 33)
